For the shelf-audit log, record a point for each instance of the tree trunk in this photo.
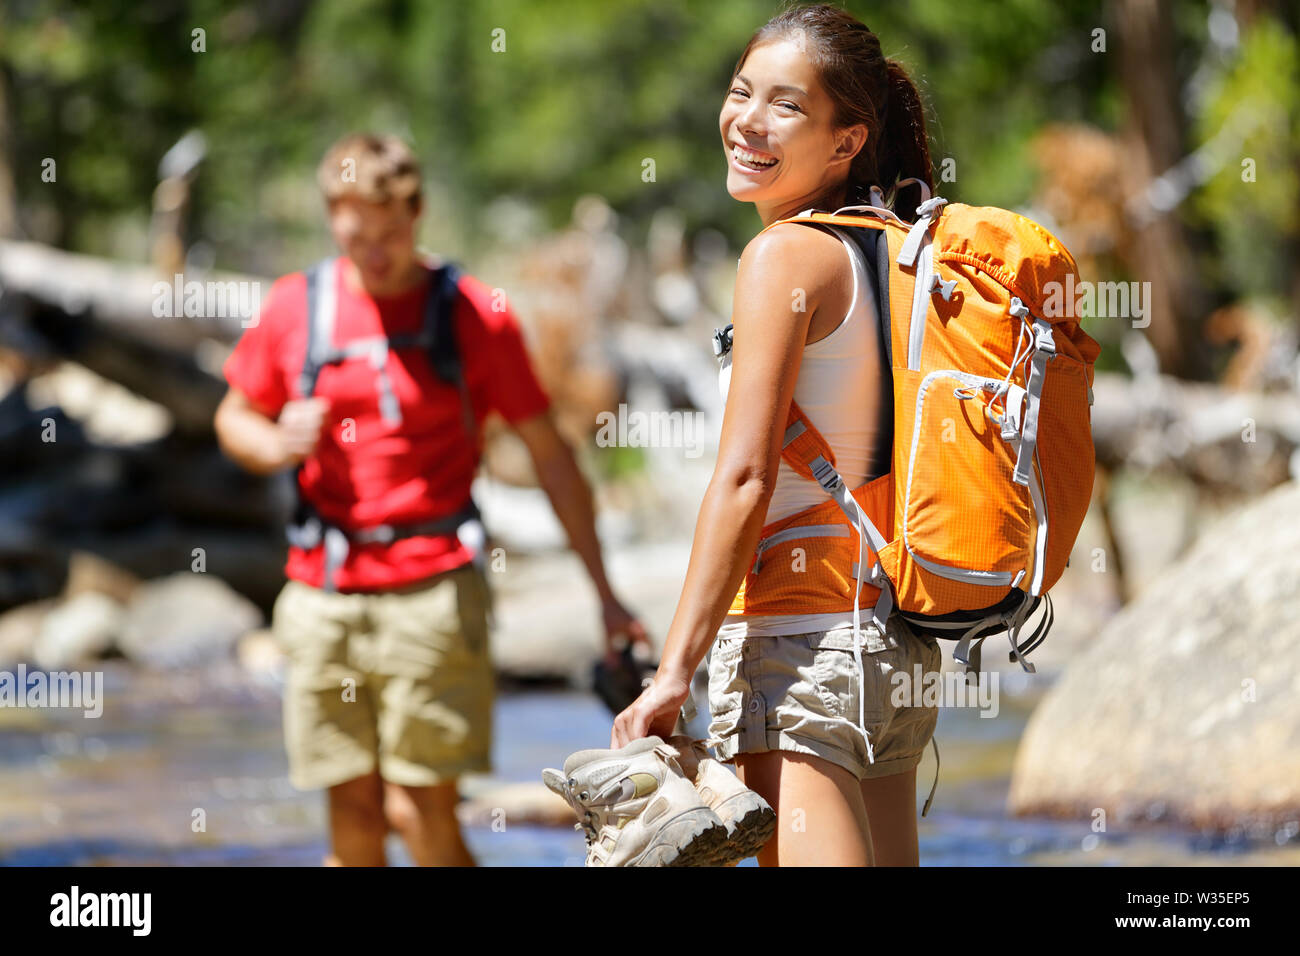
(1156, 139)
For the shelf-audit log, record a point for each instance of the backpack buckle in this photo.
(826, 475)
(930, 207)
(1043, 338)
(722, 340)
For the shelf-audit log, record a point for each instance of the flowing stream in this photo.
(188, 769)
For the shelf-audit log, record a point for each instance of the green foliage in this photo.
(1257, 222)
(583, 92)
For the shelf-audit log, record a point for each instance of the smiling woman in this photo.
(815, 117)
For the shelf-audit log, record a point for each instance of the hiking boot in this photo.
(749, 820)
(636, 808)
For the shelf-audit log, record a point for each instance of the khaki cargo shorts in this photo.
(398, 681)
(799, 692)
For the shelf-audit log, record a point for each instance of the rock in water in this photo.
(184, 619)
(1187, 704)
(19, 629)
(80, 629)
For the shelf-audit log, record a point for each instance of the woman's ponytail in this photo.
(903, 148)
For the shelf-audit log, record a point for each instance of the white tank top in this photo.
(841, 388)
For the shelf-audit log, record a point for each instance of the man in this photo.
(389, 690)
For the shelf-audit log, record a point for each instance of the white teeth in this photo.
(750, 159)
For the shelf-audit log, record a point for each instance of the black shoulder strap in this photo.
(883, 261)
(444, 350)
(875, 255)
(439, 323)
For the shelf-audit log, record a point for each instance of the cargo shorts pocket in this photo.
(838, 681)
(313, 628)
(728, 687)
(438, 626)
(474, 599)
(832, 685)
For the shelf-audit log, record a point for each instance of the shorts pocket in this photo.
(832, 681)
(839, 682)
(306, 625)
(474, 598)
(727, 685)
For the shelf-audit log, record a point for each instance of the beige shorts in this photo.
(799, 692)
(398, 681)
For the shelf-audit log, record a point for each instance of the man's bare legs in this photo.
(425, 818)
(357, 824)
(362, 810)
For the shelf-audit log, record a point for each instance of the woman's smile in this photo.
(751, 161)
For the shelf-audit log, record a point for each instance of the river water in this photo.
(188, 769)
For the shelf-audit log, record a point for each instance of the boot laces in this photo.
(586, 825)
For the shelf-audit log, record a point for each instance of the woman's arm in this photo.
(780, 271)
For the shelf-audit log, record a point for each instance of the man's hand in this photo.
(299, 427)
(250, 434)
(655, 712)
(620, 622)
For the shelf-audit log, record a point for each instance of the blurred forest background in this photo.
(1024, 96)
(572, 155)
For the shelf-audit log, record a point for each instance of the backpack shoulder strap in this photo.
(803, 444)
(439, 323)
(444, 350)
(321, 308)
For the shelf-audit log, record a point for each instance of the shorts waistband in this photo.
(838, 638)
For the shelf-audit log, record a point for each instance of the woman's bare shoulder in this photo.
(793, 253)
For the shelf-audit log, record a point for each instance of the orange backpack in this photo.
(992, 465)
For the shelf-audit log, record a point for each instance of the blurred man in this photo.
(372, 374)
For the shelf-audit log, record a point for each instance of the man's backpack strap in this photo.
(444, 352)
(307, 529)
(439, 325)
(321, 309)
(438, 336)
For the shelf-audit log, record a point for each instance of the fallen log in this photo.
(129, 297)
(1226, 441)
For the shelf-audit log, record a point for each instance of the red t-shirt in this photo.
(366, 471)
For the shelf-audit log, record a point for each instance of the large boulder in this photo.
(185, 619)
(1186, 705)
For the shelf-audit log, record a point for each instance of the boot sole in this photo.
(748, 832)
(692, 838)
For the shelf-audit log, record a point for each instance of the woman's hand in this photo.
(655, 712)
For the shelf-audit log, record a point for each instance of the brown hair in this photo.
(372, 168)
(865, 88)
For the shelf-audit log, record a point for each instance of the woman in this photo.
(814, 118)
